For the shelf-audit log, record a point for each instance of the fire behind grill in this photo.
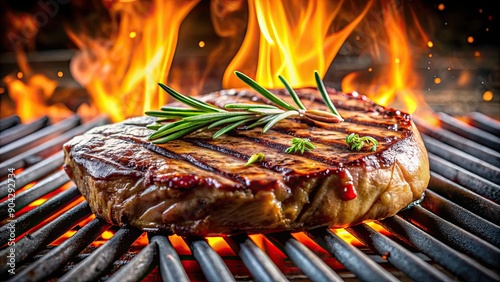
(453, 234)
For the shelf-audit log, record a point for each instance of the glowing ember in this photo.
(488, 95)
(220, 246)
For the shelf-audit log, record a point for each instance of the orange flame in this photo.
(121, 72)
(289, 38)
(31, 91)
(395, 83)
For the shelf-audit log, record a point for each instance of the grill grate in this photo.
(453, 235)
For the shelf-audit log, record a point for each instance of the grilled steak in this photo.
(199, 185)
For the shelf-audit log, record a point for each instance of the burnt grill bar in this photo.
(351, 257)
(453, 235)
(397, 255)
(466, 161)
(258, 263)
(19, 131)
(465, 198)
(37, 215)
(465, 178)
(46, 149)
(102, 259)
(475, 134)
(314, 268)
(462, 218)
(40, 189)
(485, 123)
(9, 122)
(463, 144)
(38, 137)
(59, 256)
(33, 243)
(139, 266)
(453, 261)
(210, 262)
(169, 263)
(34, 172)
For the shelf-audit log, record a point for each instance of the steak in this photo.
(200, 186)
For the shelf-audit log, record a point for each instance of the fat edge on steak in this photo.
(200, 186)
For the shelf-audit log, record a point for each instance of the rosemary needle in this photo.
(199, 114)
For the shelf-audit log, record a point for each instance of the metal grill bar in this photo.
(21, 130)
(210, 262)
(306, 260)
(9, 122)
(34, 172)
(102, 259)
(59, 256)
(40, 189)
(463, 177)
(170, 265)
(351, 257)
(447, 257)
(465, 198)
(464, 160)
(138, 267)
(258, 263)
(485, 123)
(44, 150)
(38, 138)
(459, 142)
(462, 218)
(475, 134)
(33, 243)
(30, 219)
(453, 235)
(436, 237)
(398, 256)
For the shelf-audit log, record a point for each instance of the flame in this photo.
(349, 238)
(121, 72)
(220, 246)
(31, 91)
(289, 38)
(395, 79)
(179, 245)
(292, 38)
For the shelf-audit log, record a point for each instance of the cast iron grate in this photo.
(453, 235)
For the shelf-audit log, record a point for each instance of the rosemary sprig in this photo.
(202, 115)
(324, 94)
(257, 157)
(301, 145)
(354, 142)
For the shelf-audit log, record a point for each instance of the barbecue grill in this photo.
(453, 234)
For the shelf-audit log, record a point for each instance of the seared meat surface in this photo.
(199, 186)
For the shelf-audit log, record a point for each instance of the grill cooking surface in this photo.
(453, 234)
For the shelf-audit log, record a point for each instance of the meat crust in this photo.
(200, 186)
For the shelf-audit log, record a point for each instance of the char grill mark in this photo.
(207, 158)
(371, 119)
(275, 160)
(331, 148)
(222, 164)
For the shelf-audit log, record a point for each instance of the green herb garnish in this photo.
(354, 142)
(202, 115)
(301, 145)
(257, 157)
